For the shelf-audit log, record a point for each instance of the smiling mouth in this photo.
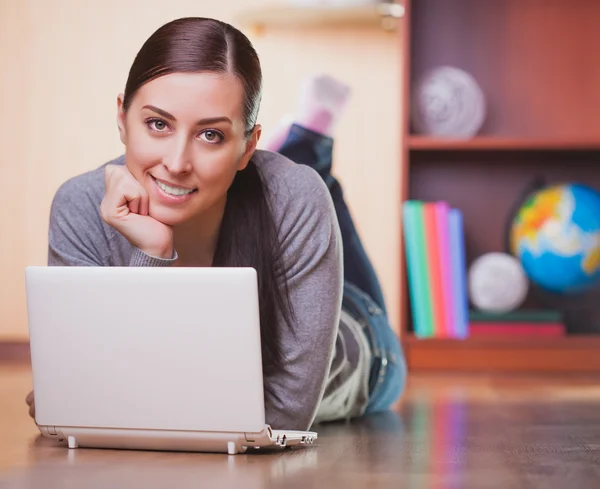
(174, 191)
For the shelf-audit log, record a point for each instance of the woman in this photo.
(192, 190)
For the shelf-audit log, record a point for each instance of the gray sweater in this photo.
(325, 360)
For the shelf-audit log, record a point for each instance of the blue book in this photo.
(459, 274)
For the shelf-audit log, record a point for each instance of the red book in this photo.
(479, 328)
(435, 274)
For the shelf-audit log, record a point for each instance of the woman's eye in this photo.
(157, 125)
(212, 137)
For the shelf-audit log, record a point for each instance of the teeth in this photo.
(172, 190)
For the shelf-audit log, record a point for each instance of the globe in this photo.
(556, 236)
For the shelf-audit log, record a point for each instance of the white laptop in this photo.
(149, 358)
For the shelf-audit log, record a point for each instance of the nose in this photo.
(179, 161)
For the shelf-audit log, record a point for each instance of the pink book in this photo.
(448, 328)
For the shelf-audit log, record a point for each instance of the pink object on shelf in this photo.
(479, 328)
(448, 327)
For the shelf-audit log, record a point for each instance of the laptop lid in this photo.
(146, 348)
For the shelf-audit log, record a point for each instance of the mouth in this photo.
(173, 193)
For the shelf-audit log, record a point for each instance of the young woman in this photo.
(192, 190)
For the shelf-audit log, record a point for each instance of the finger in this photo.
(134, 205)
(123, 198)
(29, 398)
(135, 193)
(32, 411)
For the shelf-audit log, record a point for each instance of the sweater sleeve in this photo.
(77, 235)
(312, 252)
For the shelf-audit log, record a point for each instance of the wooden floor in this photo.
(449, 432)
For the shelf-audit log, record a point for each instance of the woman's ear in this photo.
(251, 143)
(121, 119)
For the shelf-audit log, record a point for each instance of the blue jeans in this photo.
(363, 298)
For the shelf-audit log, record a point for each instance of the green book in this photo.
(520, 315)
(423, 267)
(418, 280)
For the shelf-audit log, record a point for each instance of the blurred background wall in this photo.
(64, 62)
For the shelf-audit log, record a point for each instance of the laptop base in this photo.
(186, 441)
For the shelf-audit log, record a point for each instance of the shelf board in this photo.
(493, 143)
(500, 354)
(383, 15)
(574, 341)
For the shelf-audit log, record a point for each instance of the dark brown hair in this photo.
(248, 234)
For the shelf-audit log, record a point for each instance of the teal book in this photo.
(418, 281)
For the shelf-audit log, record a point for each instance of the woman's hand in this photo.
(31, 403)
(125, 208)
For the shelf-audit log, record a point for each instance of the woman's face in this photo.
(184, 142)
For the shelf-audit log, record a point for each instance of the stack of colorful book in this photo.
(523, 322)
(436, 267)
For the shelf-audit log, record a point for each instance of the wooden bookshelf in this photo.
(543, 100)
(384, 15)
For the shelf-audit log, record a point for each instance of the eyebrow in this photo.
(201, 122)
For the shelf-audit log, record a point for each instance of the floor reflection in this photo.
(438, 432)
(474, 432)
(53, 466)
(424, 439)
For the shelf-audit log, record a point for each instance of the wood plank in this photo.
(404, 40)
(571, 354)
(384, 15)
(575, 341)
(493, 143)
(448, 431)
